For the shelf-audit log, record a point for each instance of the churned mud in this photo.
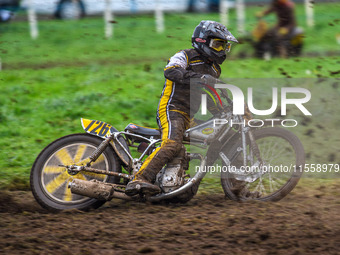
(306, 222)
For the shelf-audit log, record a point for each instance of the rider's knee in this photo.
(172, 146)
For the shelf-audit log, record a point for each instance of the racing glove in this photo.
(209, 80)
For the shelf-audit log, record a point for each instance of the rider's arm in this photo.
(265, 12)
(269, 10)
(176, 71)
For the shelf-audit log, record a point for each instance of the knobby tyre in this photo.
(49, 180)
(279, 149)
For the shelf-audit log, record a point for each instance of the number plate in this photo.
(96, 127)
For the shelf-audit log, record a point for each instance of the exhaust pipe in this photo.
(95, 189)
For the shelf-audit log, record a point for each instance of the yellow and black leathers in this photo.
(175, 108)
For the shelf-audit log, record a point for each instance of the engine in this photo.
(171, 177)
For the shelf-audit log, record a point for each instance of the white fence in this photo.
(108, 7)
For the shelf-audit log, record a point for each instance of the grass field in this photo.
(71, 71)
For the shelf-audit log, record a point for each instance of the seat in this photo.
(143, 131)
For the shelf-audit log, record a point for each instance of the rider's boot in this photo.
(141, 186)
(283, 51)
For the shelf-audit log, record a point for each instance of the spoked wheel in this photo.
(49, 179)
(283, 160)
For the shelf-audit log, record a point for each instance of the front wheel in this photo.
(283, 160)
(49, 179)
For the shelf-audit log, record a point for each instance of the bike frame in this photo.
(217, 141)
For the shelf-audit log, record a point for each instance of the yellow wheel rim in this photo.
(55, 179)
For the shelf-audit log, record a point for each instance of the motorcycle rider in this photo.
(210, 40)
(286, 22)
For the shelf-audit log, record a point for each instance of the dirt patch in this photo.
(110, 61)
(18, 202)
(306, 222)
(7, 204)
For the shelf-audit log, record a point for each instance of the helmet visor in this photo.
(219, 45)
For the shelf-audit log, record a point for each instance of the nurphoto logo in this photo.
(239, 100)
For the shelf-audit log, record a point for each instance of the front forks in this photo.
(101, 148)
(253, 147)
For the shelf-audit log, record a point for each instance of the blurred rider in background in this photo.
(286, 22)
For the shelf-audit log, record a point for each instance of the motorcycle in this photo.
(83, 171)
(264, 43)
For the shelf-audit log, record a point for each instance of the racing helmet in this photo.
(212, 40)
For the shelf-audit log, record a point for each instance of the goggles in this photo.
(219, 45)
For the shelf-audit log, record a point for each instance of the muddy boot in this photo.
(282, 51)
(141, 187)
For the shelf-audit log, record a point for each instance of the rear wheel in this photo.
(49, 179)
(283, 162)
(70, 9)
